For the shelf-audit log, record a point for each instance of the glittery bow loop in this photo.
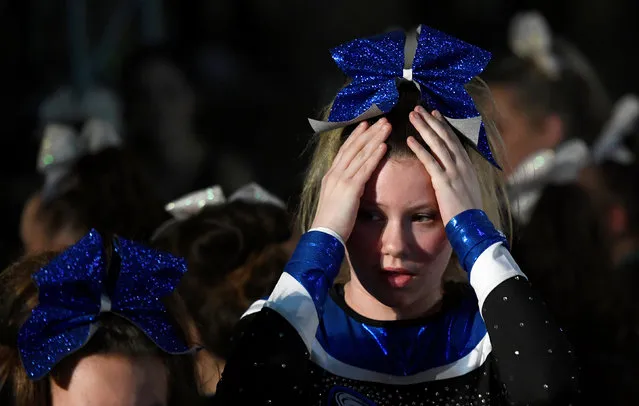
(192, 203)
(62, 145)
(72, 294)
(438, 64)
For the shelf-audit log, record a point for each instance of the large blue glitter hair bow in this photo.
(438, 64)
(73, 292)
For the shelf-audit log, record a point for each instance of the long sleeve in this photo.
(269, 362)
(532, 358)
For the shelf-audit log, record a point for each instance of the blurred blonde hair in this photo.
(491, 179)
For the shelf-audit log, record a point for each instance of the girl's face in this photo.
(113, 380)
(522, 135)
(398, 249)
(33, 233)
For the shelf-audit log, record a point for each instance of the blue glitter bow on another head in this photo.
(73, 292)
(438, 64)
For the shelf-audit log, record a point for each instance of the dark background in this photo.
(260, 68)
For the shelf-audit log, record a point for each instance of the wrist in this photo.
(470, 233)
(332, 229)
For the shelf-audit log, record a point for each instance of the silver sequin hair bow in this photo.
(622, 122)
(62, 146)
(530, 37)
(192, 203)
(559, 166)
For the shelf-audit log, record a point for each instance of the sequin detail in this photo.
(71, 291)
(471, 389)
(470, 234)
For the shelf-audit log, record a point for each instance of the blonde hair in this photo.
(491, 180)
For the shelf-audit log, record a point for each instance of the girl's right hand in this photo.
(343, 184)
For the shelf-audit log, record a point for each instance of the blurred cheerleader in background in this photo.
(551, 107)
(235, 249)
(90, 181)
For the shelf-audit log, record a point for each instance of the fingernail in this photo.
(437, 114)
(421, 109)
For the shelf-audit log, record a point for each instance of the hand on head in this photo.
(343, 184)
(453, 176)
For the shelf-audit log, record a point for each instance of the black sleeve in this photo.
(533, 360)
(268, 365)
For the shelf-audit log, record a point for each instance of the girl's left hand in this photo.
(453, 175)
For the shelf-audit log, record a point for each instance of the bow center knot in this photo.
(408, 74)
(105, 304)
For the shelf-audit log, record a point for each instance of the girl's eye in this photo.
(369, 215)
(423, 218)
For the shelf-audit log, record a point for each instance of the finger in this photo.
(460, 154)
(441, 128)
(433, 140)
(361, 127)
(357, 142)
(368, 167)
(365, 153)
(433, 167)
(452, 139)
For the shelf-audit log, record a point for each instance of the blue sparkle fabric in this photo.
(442, 66)
(402, 350)
(373, 64)
(72, 292)
(315, 264)
(470, 233)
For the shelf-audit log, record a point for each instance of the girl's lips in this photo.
(397, 277)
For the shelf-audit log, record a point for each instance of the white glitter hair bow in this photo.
(624, 118)
(530, 37)
(62, 145)
(559, 166)
(191, 204)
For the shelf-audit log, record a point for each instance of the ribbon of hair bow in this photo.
(192, 203)
(438, 64)
(73, 293)
(62, 145)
